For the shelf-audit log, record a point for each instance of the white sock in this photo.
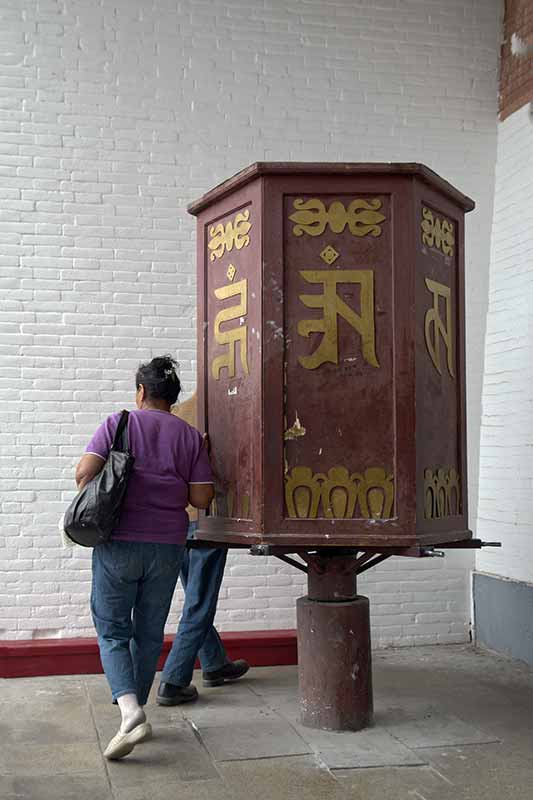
(132, 713)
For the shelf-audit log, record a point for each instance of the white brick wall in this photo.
(114, 115)
(506, 465)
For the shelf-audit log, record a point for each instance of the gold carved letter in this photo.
(234, 335)
(333, 307)
(435, 325)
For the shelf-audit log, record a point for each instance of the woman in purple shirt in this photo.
(135, 572)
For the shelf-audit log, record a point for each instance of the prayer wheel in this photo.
(331, 376)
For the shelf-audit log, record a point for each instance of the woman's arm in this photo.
(88, 468)
(201, 494)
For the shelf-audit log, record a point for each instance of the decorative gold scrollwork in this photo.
(339, 494)
(437, 232)
(361, 216)
(442, 493)
(233, 234)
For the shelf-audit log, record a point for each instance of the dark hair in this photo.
(159, 379)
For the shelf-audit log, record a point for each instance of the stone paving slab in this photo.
(45, 760)
(298, 778)
(175, 754)
(488, 770)
(372, 747)
(199, 790)
(57, 787)
(263, 736)
(62, 722)
(434, 729)
(397, 783)
(216, 714)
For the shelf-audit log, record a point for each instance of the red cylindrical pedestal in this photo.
(335, 667)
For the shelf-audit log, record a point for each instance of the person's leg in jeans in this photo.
(124, 585)
(162, 563)
(116, 571)
(117, 567)
(201, 575)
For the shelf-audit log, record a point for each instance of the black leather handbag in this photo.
(94, 513)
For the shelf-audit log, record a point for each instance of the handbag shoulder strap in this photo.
(120, 442)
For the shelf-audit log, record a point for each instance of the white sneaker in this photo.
(123, 743)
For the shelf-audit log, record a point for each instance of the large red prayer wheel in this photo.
(331, 363)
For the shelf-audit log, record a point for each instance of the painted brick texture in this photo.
(113, 116)
(506, 465)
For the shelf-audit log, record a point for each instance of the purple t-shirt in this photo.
(169, 455)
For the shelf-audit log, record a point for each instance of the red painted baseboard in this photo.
(29, 658)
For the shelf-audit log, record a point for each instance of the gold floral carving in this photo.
(437, 232)
(313, 217)
(442, 493)
(376, 493)
(302, 492)
(339, 494)
(233, 234)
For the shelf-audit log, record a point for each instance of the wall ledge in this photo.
(38, 657)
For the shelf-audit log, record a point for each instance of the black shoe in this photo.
(170, 695)
(229, 672)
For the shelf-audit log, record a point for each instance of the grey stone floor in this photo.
(451, 722)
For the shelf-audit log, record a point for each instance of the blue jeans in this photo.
(132, 588)
(201, 575)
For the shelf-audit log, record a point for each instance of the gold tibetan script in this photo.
(435, 329)
(361, 216)
(234, 335)
(333, 306)
(233, 234)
